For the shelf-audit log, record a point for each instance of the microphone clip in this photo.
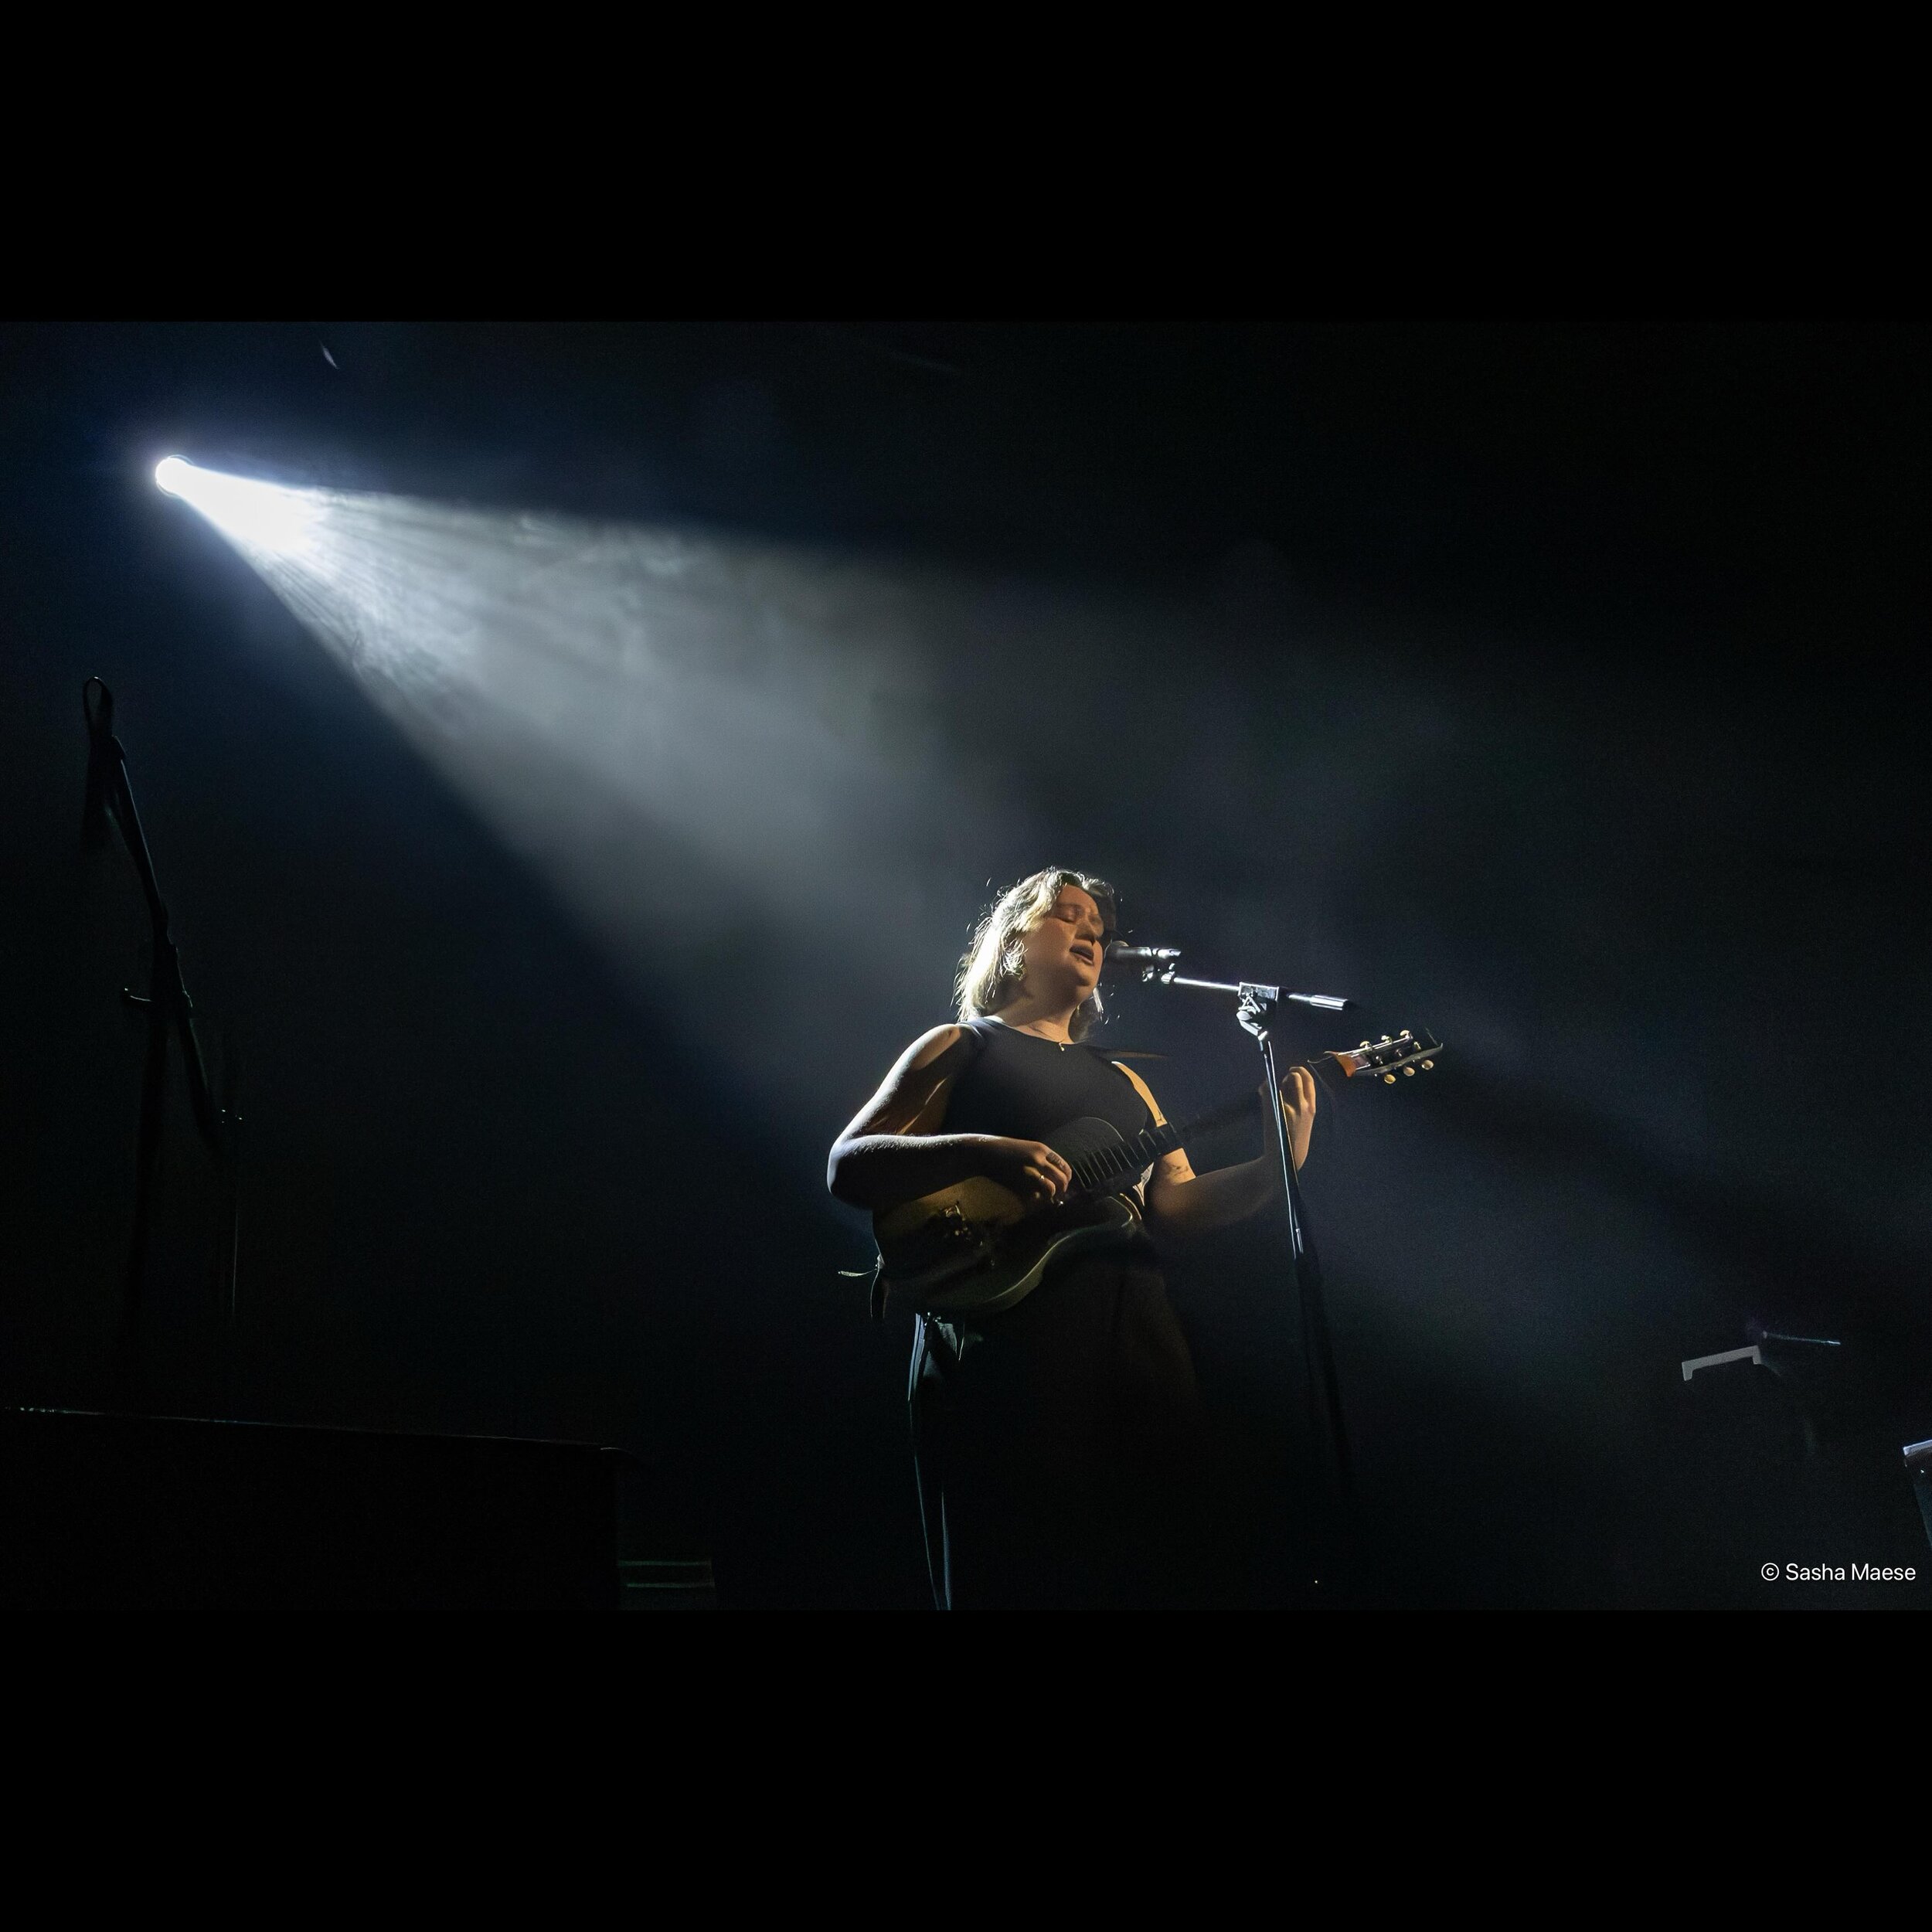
(1157, 963)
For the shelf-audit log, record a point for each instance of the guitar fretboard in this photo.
(1105, 1167)
(1102, 1169)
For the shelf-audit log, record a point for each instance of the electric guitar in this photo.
(976, 1247)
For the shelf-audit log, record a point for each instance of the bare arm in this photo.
(1180, 1199)
(890, 1152)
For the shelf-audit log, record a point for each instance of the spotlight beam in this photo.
(263, 520)
(711, 750)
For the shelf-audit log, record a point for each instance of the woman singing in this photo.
(1058, 1443)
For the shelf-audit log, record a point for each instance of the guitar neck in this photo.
(1094, 1172)
(1382, 1058)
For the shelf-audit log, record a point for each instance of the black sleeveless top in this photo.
(1023, 1087)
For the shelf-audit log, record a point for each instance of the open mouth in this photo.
(1084, 951)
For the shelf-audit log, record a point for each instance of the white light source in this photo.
(267, 519)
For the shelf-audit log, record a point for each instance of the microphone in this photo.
(1141, 955)
(102, 753)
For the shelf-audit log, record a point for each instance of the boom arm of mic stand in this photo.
(167, 1003)
(1165, 975)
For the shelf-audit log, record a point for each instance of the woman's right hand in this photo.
(1029, 1168)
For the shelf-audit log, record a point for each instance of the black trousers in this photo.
(1061, 1459)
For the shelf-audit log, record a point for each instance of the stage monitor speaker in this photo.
(105, 1512)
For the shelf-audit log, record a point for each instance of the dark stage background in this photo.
(1548, 685)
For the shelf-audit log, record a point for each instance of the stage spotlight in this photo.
(268, 519)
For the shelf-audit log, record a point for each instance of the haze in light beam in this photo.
(721, 754)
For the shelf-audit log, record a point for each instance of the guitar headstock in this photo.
(1403, 1053)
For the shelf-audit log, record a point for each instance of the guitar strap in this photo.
(876, 1297)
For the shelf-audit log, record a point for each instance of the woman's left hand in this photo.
(1298, 1110)
(1185, 1201)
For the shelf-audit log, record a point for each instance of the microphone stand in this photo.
(1257, 1007)
(170, 1010)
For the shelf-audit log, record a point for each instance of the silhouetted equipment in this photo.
(143, 1513)
(110, 801)
(1918, 1462)
(1780, 1464)
(1160, 966)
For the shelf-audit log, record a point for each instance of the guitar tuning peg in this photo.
(1428, 1063)
(1364, 1043)
(1408, 1072)
(1407, 1034)
(1387, 1079)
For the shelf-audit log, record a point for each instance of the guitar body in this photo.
(976, 1248)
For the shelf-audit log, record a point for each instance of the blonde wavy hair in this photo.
(990, 972)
